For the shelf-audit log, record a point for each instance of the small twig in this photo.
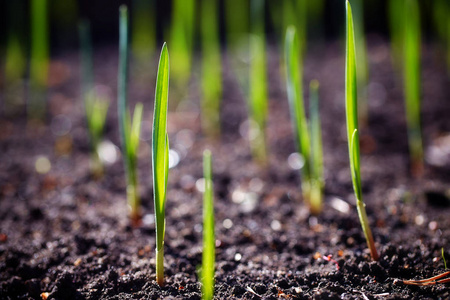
(428, 281)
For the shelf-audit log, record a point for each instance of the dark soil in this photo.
(68, 235)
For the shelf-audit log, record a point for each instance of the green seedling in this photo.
(258, 103)
(160, 158)
(411, 82)
(295, 14)
(317, 181)
(443, 258)
(294, 85)
(362, 63)
(351, 108)
(211, 69)
(143, 35)
(181, 41)
(209, 242)
(129, 128)
(95, 105)
(309, 142)
(39, 58)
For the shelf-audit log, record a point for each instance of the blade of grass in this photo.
(160, 158)
(209, 245)
(258, 105)
(352, 128)
(317, 182)
(128, 128)
(295, 96)
(411, 77)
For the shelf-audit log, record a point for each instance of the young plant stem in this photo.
(411, 77)
(160, 158)
(351, 106)
(129, 129)
(295, 96)
(208, 257)
(258, 105)
(317, 182)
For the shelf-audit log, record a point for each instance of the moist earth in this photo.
(66, 235)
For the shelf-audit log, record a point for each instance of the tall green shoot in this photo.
(160, 158)
(308, 140)
(129, 127)
(181, 41)
(209, 242)
(294, 85)
(258, 103)
(317, 181)
(95, 105)
(211, 68)
(351, 107)
(411, 82)
(39, 58)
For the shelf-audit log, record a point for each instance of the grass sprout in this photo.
(351, 107)
(39, 58)
(211, 68)
(209, 242)
(129, 127)
(295, 96)
(160, 158)
(95, 104)
(317, 181)
(411, 82)
(258, 103)
(443, 258)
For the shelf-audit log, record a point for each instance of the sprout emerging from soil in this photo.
(129, 128)
(208, 230)
(95, 105)
(160, 158)
(317, 181)
(309, 144)
(443, 258)
(411, 78)
(211, 69)
(258, 105)
(352, 129)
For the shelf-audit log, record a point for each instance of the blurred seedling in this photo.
(129, 127)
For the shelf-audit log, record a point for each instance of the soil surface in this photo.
(66, 235)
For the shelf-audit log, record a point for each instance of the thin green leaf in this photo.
(295, 97)
(160, 157)
(208, 256)
(136, 128)
(411, 78)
